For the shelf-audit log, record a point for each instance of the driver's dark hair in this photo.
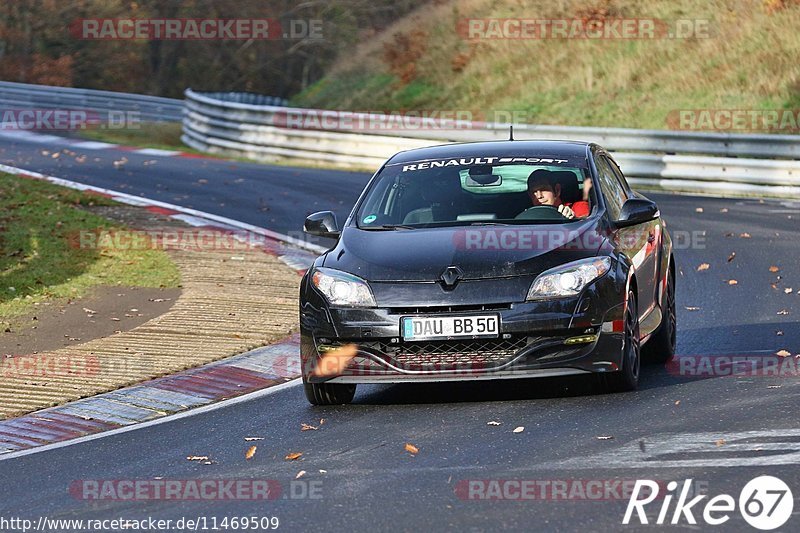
(540, 175)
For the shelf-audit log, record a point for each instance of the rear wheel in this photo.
(627, 378)
(661, 346)
(329, 393)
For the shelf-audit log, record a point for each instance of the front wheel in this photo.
(329, 393)
(627, 378)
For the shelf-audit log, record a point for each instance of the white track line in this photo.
(93, 145)
(157, 152)
(169, 418)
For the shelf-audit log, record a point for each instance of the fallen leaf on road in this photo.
(251, 451)
(492, 423)
(677, 402)
(306, 427)
(410, 448)
(779, 333)
(723, 210)
(773, 386)
(774, 286)
(294, 455)
(197, 458)
(604, 437)
(719, 442)
(704, 266)
(783, 353)
(773, 268)
(783, 312)
(300, 474)
(744, 235)
(731, 257)
(335, 361)
(732, 282)
(250, 439)
(787, 291)
(323, 471)
(519, 429)
(698, 210)
(692, 308)
(321, 421)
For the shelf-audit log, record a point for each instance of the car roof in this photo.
(570, 149)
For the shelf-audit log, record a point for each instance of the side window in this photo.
(618, 174)
(613, 192)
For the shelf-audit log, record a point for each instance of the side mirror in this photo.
(322, 224)
(637, 211)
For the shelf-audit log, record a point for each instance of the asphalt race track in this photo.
(719, 430)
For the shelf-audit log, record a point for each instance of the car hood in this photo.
(480, 252)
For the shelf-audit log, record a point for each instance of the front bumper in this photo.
(545, 338)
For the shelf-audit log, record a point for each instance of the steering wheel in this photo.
(541, 212)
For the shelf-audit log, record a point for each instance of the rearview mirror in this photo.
(637, 211)
(484, 180)
(322, 224)
(481, 176)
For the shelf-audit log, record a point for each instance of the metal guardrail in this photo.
(677, 161)
(28, 96)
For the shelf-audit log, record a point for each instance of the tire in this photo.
(329, 393)
(627, 378)
(661, 346)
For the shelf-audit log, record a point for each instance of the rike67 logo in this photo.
(765, 503)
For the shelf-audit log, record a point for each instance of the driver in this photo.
(544, 190)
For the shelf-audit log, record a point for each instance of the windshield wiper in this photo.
(486, 223)
(389, 227)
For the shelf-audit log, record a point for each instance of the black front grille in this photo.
(449, 355)
(447, 309)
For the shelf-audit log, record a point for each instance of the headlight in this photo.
(341, 288)
(569, 279)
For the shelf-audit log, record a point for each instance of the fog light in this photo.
(581, 339)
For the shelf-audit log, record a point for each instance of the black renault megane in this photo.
(491, 260)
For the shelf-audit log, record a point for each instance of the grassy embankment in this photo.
(749, 61)
(39, 260)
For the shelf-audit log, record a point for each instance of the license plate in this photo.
(417, 328)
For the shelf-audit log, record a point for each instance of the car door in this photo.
(652, 232)
(639, 242)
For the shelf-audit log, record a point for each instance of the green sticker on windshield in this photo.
(369, 219)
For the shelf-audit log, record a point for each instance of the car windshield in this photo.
(477, 191)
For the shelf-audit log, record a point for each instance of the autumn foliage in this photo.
(38, 45)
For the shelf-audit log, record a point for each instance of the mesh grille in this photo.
(441, 355)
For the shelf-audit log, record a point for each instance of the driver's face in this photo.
(542, 193)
